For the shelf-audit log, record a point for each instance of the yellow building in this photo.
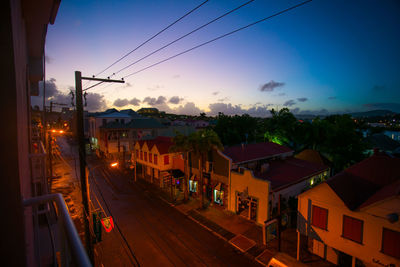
(353, 218)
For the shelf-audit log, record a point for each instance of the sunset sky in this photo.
(323, 57)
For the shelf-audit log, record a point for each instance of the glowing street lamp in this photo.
(61, 131)
(114, 164)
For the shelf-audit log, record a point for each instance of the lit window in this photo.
(352, 229)
(319, 217)
(390, 243)
(218, 197)
(192, 186)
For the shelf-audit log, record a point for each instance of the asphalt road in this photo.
(150, 229)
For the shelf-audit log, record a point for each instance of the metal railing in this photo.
(72, 251)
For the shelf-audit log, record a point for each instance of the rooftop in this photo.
(374, 178)
(251, 152)
(289, 171)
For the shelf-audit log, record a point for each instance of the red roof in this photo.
(161, 142)
(368, 181)
(289, 171)
(251, 152)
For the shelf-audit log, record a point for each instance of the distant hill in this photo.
(373, 113)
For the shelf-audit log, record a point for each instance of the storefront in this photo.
(219, 194)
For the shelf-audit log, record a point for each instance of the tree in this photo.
(181, 144)
(200, 143)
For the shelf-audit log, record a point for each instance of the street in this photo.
(148, 231)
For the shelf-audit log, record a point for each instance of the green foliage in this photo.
(236, 129)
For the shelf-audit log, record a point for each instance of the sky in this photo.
(323, 57)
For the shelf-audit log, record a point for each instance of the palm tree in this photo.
(201, 142)
(181, 144)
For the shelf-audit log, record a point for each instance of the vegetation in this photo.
(199, 143)
(337, 137)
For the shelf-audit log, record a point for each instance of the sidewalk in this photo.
(241, 233)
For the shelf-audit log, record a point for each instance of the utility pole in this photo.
(82, 155)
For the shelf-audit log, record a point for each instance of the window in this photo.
(390, 243)
(123, 121)
(141, 155)
(150, 157)
(166, 159)
(145, 156)
(137, 153)
(219, 196)
(352, 229)
(104, 122)
(192, 186)
(319, 217)
(155, 159)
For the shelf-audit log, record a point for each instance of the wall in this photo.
(323, 196)
(256, 188)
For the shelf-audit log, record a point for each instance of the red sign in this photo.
(107, 223)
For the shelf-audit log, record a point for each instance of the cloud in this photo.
(152, 101)
(289, 103)
(317, 112)
(176, 76)
(332, 97)
(302, 99)
(223, 99)
(175, 100)
(270, 86)
(378, 88)
(229, 109)
(155, 87)
(215, 93)
(395, 107)
(134, 101)
(95, 102)
(188, 109)
(281, 94)
(121, 102)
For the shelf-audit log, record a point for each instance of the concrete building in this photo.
(353, 218)
(24, 182)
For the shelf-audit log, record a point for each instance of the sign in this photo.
(107, 223)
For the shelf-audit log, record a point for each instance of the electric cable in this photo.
(151, 38)
(217, 38)
(183, 36)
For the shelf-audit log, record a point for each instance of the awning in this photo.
(218, 187)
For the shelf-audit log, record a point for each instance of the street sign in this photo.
(107, 223)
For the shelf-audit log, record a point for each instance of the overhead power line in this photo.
(219, 37)
(185, 35)
(151, 38)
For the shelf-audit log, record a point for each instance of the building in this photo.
(24, 181)
(263, 172)
(156, 164)
(353, 218)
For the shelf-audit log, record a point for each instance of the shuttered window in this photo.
(150, 157)
(141, 155)
(155, 159)
(137, 153)
(166, 159)
(319, 217)
(145, 156)
(391, 243)
(352, 229)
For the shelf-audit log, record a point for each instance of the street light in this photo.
(114, 164)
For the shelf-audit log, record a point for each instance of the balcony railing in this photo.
(66, 241)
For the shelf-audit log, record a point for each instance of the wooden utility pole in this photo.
(82, 156)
